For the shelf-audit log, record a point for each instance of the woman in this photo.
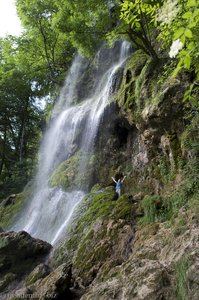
(118, 186)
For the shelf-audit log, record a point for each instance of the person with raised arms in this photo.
(118, 186)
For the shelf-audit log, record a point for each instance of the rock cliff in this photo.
(144, 244)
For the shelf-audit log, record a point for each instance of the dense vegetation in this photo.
(34, 65)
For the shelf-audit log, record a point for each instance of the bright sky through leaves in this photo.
(9, 22)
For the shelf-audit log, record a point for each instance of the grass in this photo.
(181, 278)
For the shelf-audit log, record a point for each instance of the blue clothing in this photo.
(118, 185)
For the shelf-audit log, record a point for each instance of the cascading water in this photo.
(50, 209)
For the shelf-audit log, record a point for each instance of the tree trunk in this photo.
(3, 150)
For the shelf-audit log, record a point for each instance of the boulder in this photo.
(20, 253)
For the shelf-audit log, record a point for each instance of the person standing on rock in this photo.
(118, 186)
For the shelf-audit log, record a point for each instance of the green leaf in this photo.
(188, 33)
(191, 3)
(192, 25)
(186, 96)
(183, 39)
(193, 101)
(178, 33)
(187, 15)
(191, 46)
(177, 69)
(187, 61)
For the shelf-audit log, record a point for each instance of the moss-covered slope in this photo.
(143, 245)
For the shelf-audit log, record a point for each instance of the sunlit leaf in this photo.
(187, 61)
(188, 33)
(191, 3)
(178, 33)
(187, 15)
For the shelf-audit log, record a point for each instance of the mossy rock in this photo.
(101, 220)
(69, 175)
(95, 205)
(41, 271)
(87, 263)
(190, 138)
(123, 208)
(9, 212)
(65, 173)
(145, 94)
(97, 187)
(134, 78)
(6, 280)
(137, 62)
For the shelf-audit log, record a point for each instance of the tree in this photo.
(85, 23)
(49, 49)
(178, 24)
(140, 18)
(20, 116)
(88, 24)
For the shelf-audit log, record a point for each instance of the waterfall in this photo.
(50, 210)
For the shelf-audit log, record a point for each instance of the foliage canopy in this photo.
(33, 66)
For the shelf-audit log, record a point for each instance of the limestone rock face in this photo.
(193, 280)
(144, 279)
(154, 269)
(55, 284)
(144, 244)
(40, 271)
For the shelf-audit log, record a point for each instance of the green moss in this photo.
(102, 203)
(151, 206)
(68, 174)
(65, 173)
(164, 170)
(137, 62)
(96, 205)
(183, 197)
(6, 280)
(190, 137)
(194, 205)
(123, 208)
(139, 88)
(9, 212)
(41, 271)
(90, 232)
(166, 207)
(140, 85)
(180, 227)
(133, 75)
(32, 279)
(97, 187)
